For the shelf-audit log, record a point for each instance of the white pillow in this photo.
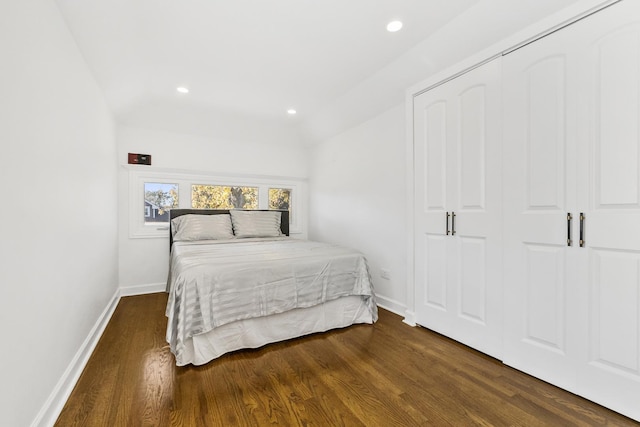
(202, 227)
(256, 223)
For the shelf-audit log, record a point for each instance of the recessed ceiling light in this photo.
(182, 89)
(394, 26)
(291, 111)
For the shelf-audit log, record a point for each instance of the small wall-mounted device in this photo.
(139, 159)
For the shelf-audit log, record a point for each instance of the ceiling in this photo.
(246, 62)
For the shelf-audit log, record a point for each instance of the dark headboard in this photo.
(174, 213)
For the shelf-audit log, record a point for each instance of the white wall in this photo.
(59, 238)
(357, 198)
(144, 262)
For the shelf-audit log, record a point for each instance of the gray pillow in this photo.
(256, 223)
(202, 227)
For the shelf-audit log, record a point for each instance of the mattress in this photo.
(244, 293)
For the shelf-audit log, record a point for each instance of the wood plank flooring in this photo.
(388, 374)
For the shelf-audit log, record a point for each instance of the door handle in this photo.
(447, 227)
(569, 219)
(582, 221)
(453, 223)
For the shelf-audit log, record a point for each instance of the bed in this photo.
(237, 280)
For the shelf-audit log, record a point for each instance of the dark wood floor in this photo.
(388, 374)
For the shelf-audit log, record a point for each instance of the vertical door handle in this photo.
(569, 219)
(453, 223)
(447, 227)
(582, 220)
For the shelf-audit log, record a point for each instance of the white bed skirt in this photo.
(253, 333)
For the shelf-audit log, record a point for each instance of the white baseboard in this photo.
(151, 288)
(398, 308)
(55, 402)
(391, 305)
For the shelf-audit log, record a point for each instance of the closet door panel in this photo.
(435, 272)
(544, 312)
(478, 316)
(610, 198)
(536, 130)
(610, 371)
(473, 275)
(433, 251)
(545, 105)
(472, 148)
(478, 212)
(539, 181)
(615, 297)
(435, 156)
(617, 112)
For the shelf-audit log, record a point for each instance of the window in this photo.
(159, 198)
(223, 197)
(280, 199)
(153, 192)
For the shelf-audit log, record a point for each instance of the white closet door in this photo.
(434, 251)
(609, 177)
(539, 125)
(572, 144)
(457, 171)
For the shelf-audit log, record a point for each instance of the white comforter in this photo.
(213, 283)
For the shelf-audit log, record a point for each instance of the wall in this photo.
(144, 261)
(58, 169)
(357, 198)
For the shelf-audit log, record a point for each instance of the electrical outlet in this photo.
(385, 273)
